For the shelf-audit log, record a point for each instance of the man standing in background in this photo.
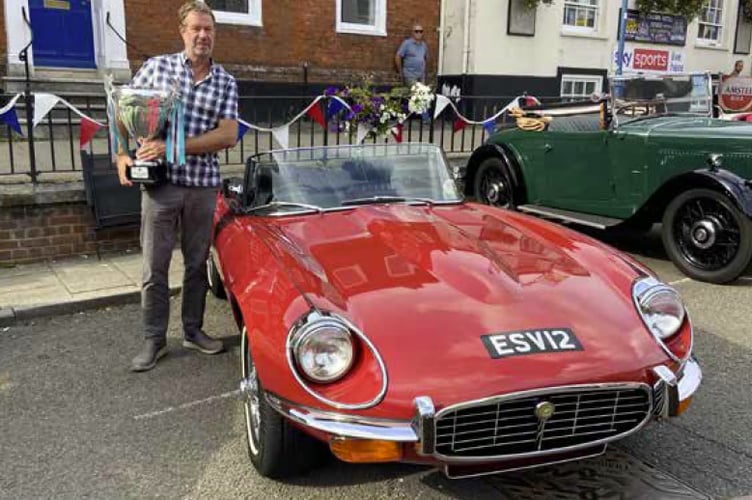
(412, 56)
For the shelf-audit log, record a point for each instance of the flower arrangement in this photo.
(379, 111)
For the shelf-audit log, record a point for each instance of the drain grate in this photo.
(612, 475)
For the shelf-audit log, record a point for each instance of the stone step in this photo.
(58, 81)
(14, 85)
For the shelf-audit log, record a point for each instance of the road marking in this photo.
(683, 280)
(185, 406)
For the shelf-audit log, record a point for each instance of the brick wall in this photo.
(37, 232)
(294, 32)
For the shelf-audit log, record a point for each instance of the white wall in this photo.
(454, 35)
(110, 52)
(493, 52)
(16, 30)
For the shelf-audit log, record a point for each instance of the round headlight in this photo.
(324, 352)
(662, 310)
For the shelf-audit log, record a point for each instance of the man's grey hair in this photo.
(194, 6)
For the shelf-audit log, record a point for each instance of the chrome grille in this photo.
(509, 425)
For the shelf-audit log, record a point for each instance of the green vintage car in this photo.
(651, 152)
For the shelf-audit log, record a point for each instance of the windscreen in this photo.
(330, 177)
(635, 96)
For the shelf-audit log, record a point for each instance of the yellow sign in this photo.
(57, 4)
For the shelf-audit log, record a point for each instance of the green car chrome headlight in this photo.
(660, 306)
(324, 350)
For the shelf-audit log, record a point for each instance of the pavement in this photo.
(75, 284)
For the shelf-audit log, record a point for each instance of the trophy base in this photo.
(147, 172)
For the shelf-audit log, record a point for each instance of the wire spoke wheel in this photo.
(707, 236)
(251, 403)
(492, 185)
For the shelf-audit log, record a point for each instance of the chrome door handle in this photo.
(547, 147)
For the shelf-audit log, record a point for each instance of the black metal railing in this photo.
(28, 98)
(54, 147)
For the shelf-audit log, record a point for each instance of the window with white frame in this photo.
(580, 87)
(710, 26)
(246, 12)
(361, 17)
(581, 15)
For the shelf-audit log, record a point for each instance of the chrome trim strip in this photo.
(525, 467)
(302, 211)
(346, 426)
(289, 348)
(549, 391)
(642, 285)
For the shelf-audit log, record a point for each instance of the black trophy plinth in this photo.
(147, 172)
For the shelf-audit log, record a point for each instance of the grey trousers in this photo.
(165, 210)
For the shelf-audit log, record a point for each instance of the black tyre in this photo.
(493, 184)
(215, 280)
(276, 448)
(707, 236)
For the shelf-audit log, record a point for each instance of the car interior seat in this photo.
(264, 185)
(369, 179)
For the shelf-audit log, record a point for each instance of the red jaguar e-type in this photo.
(391, 320)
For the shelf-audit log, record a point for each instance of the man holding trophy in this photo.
(181, 109)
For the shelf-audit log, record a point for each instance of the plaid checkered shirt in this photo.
(206, 102)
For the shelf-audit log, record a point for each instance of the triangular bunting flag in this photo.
(334, 107)
(490, 126)
(363, 131)
(442, 102)
(11, 118)
(242, 129)
(315, 113)
(43, 103)
(89, 128)
(397, 132)
(282, 136)
(459, 124)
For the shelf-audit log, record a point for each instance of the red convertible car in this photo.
(387, 319)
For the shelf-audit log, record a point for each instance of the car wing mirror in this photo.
(233, 190)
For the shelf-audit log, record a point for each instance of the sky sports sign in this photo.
(639, 60)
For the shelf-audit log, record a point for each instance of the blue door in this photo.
(63, 34)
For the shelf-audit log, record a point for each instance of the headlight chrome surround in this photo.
(661, 310)
(314, 320)
(324, 350)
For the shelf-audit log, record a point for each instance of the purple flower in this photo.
(357, 108)
(350, 116)
(330, 91)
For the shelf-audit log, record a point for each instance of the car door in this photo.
(577, 165)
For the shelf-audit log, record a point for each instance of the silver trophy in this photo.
(147, 114)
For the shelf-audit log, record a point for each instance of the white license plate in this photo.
(139, 172)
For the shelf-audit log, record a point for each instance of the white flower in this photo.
(420, 98)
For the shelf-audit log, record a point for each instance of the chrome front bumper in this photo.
(668, 392)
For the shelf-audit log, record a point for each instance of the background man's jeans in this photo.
(165, 210)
